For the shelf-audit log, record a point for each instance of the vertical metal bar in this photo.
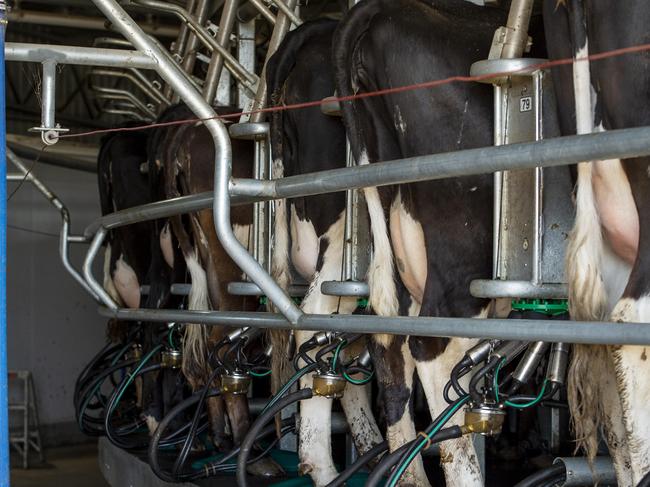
(246, 56)
(223, 157)
(48, 94)
(539, 184)
(189, 53)
(64, 237)
(282, 25)
(26, 420)
(349, 221)
(4, 406)
(226, 23)
(518, 20)
(87, 269)
(498, 184)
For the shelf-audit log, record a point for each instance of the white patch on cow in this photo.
(314, 426)
(166, 245)
(616, 273)
(634, 386)
(383, 293)
(152, 424)
(400, 124)
(315, 414)
(462, 124)
(315, 448)
(358, 413)
(242, 234)
(126, 283)
(583, 91)
(403, 430)
(616, 208)
(304, 246)
(458, 457)
(109, 285)
(195, 339)
(280, 269)
(410, 253)
(587, 294)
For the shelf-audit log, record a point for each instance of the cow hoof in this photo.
(305, 469)
(265, 467)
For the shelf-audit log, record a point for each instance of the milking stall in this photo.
(325, 242)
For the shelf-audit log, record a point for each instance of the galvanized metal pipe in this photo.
(236, 69)
(517, 33)
(223, 157)
(200, 14)
(264, 10)
(288, 11)
(281, 28)
(64, 235)
(119, 94)
(624, 143)
(581, 472)
(48, 94)
(226, 23)
(593, 332)
(81, 22)
(143, 85)
(87, 56)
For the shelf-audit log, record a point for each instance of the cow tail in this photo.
(277, 71)
(383, 293)
(587, 292)
(587, 301)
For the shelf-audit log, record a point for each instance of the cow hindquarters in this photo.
(458, 457)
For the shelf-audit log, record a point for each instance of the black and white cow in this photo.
(437, 234)
(309, 232)
(608, 277)
(187, 164)
(134, 256)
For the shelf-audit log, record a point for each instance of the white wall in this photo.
(53, 326)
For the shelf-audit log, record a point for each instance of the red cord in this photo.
(385, 91)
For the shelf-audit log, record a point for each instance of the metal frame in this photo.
(551, 152)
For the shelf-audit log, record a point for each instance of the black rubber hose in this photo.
(152, 452)
(360, 462)
(542, 477)
(457, 372)
(476, 378)
(260, 422)
(189, 439)
(388, 461)
(645, 481)
(112, 405)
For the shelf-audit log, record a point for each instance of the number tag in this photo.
(525, 104)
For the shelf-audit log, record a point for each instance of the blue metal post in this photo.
(4, 413)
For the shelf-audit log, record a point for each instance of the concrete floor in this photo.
(74, 466)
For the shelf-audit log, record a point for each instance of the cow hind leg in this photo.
(358, 413)
(458, 457)
(633, 385)
(395, 370)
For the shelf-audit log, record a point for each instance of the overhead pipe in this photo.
(143, 86)
(82, 56)
(238, 71)
(223, 156)
(21, 16)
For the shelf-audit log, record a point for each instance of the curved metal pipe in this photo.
(148, 90)
(87, 270)
(223, 157)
